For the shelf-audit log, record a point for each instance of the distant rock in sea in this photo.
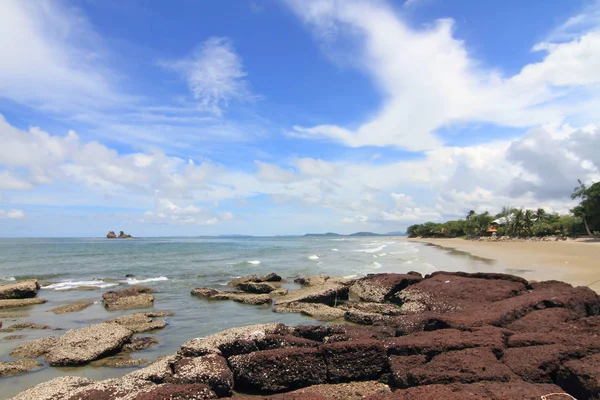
(122, 235)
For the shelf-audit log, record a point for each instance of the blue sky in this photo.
(290, 116)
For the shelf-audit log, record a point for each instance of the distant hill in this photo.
(364, 234)
(322, 234)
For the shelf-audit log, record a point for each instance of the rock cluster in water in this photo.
(122, 235)
(442, 336)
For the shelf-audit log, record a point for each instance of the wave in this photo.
(133, 281)
(373, 250)
(8, 278)
(375, 265)
(334, 249)
(253, 262)
(313, 257)
(73, 284)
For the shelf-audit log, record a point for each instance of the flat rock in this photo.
(231, 341)
(329, 293)
(313, 280)
(14, 337)
(119, 361)
(581, 378)
(54, 389)
(278, 370)
(80, 346)
(170, 391)
(133, 297)
(16, 303)
(74, 307)
(19, 290)
(138, 322)
(318, 311)
(339, 391)
(211, 370)
(18, 367)
(35, 348)
(379, 288)
(238, 296)
(538, 364)
(272, 277)
(257, 287)
(355, 360)
(24, 325)
(139, 344)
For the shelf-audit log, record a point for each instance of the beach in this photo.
(574, 261)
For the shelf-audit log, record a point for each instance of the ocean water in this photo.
(174, 266)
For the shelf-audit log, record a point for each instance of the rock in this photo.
(257, 287)
(170, 391)
(231, 341)
(111, 235)
(129, 275)
(35, 348)
(80, 346)
(362, 318)
(238, 296)
(24, 325)
(538, 364)
(401, 367)
(19, 290)
(318, 311)
(272, 277)
(133, 297)
(313, 280)
(211, 370)
(55, 389)
(545, 320)
(463, 366)
(159, 371)
(15, 303)
(581, 378)
(139, 344)
(329, 293)
(14, 337)
(279, 292)
(122, 235)
(378, 288)
(339, 391)
(271, 342)
(119, 361)
(278, 370)
(18, 367)
(138, 322)
(74, 307)
(355, 360)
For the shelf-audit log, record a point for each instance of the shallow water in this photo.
(174, 266)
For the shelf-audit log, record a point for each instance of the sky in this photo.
(267, 117)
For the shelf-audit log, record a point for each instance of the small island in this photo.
(122, 235)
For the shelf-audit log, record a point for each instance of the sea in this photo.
(174, 266)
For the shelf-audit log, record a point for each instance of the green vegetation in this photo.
(584, 219)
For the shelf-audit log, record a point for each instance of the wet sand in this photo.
(575, 261)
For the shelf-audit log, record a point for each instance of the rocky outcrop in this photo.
(139, 322)
(328, 293)
(19, 290)
(257, 287)
(122, 235)
(17, 303)
(381, 288)
(272, 278)
(74, 307)
(452, 336)
(313, 280)
(80, 346)
(111, 235)
(318, 311)
(239, 296)
(18, 367)
(133, 297)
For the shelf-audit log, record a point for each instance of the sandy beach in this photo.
(573, 261)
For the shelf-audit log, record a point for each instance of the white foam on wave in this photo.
(319, 264)
(350, 276)
(133, 281)
(372, 250)
(313, 257)
(375, 265)
(8, 278)
(334, 249)
(73, 284)
(253, 262)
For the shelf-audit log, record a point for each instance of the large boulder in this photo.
(278, 370)
(211, 370)
(170, 391)
(19, 290)
(80, 346)
(378, 288)
(133, 297)
(54, 389)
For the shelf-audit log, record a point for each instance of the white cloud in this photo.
(429, 80)
(314, 167)
(273, 173)
(355, 219)
(10, 181)
(11, 214)
(215, 74)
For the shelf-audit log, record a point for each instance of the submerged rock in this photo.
(74, 307)
(18, 367)
(24, 325)
(138, 322)
(318, 311)
(239, 296)
(35, 348)
(19, 290)
(133, 297)
(80, 346)
(272, 277)
(16, 303)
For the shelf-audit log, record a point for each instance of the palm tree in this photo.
(528, 222)
(470, 215)
(516, 224)
(540, 215)
(581, 192)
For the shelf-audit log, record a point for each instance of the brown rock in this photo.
(80, 346)
(339, 391)
(35, 348)
(18, 367)
(378, 288)
(318, 311)
(581, 378)
(24, 325)
(138, 322)
(272, 277)
(74, 307)
(257, 287)
(14, 337)
(313, 280)
(329, 293)
(54, 389)
(139, 344)
(133, 297)
(19, 290)
(119, 361)
(355, 360)
(537, 364)
(271, 342)
(278, 370)
(211, 370)
(401, 366)
(239, 296)
(16, 303)
(170, 391)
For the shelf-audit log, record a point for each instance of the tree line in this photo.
(583, 219)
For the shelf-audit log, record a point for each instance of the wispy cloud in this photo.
(11, 214)
(215, 74)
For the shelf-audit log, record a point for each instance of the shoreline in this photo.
(572, 261)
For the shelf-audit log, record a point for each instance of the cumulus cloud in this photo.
(167, 212)
(215, 74)
(11, 214)
(429, 80)
(355, 219)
